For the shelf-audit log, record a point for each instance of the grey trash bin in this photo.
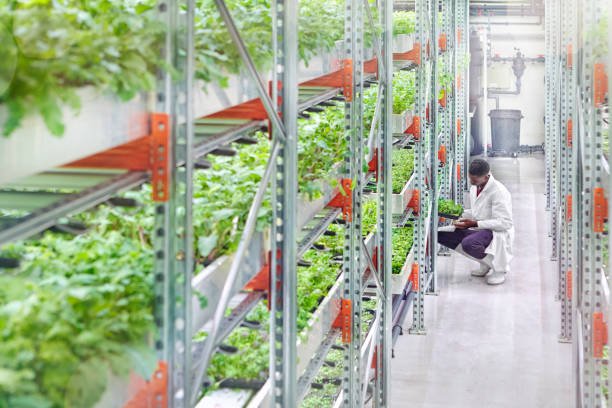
(505, 130)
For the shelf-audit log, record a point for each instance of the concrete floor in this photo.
(492, 346)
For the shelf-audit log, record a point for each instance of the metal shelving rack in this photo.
(449, 44)
(592, 300)
(424, 11)
(178, 139)
(564, 198)
(578, 184)
(290, 379)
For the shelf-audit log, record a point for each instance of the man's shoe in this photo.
(482, 271)
(496, 278)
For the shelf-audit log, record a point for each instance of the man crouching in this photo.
(485, 232)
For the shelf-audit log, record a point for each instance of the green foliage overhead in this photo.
(64, 45)
(115, 46)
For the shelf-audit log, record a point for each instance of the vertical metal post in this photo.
(566, 116)
(173, 242)
(283, 318)
(591, 295)
(434, 141)
(445, 118)
(161, 238)
(421, 151)
(352, 378)
(461, 153)
(385, 221)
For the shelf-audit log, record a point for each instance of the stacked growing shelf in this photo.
(578, 70)
(288, 277)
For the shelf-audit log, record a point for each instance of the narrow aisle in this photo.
(492, 346)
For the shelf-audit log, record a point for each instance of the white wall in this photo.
(530, 40)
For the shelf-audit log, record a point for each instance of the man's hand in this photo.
(465, 223)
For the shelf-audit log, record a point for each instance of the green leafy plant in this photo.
(76, 309)
(403, 22)
(115, 46)
(314, 282)
(110, 44)
(402, 244)
(449, 207)
(403, 91)
(369, 216)
(401, 169)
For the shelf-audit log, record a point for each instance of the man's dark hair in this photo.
(479, 167)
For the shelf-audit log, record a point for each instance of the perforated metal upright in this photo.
(461, 119)
(173, 235)
(352, 372)
(593, 295)
(555, 128)
(446, 45)
(567, 169)
(552, 122)
(435, 135)
(422, 159)
(283, 316)
(382, 390)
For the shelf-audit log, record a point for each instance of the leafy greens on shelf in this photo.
(449, 207)
(403, 91)
(401, 169)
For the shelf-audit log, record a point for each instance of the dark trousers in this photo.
(474, 242)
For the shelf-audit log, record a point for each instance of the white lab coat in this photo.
(493, 211)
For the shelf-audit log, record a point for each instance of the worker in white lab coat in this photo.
(485, 232)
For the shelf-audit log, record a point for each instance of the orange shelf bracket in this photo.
(600, 209)
(569, 59)
(600, 84)
(153, 393)
(600, 334)
(442, 154)
(343, 320)
(414, 277)
(149, 153)
(373, 164)
(569, 137)
(569, 284)
(459, 172)
(568, 208)
(347, 79)
(344, 199)
(413, 55)
(442, 41)
(160, 157)
(415, 201)
(443, 100)
(415, 128)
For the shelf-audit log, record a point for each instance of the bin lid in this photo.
(506, 113)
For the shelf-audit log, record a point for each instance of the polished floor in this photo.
(492, 346)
